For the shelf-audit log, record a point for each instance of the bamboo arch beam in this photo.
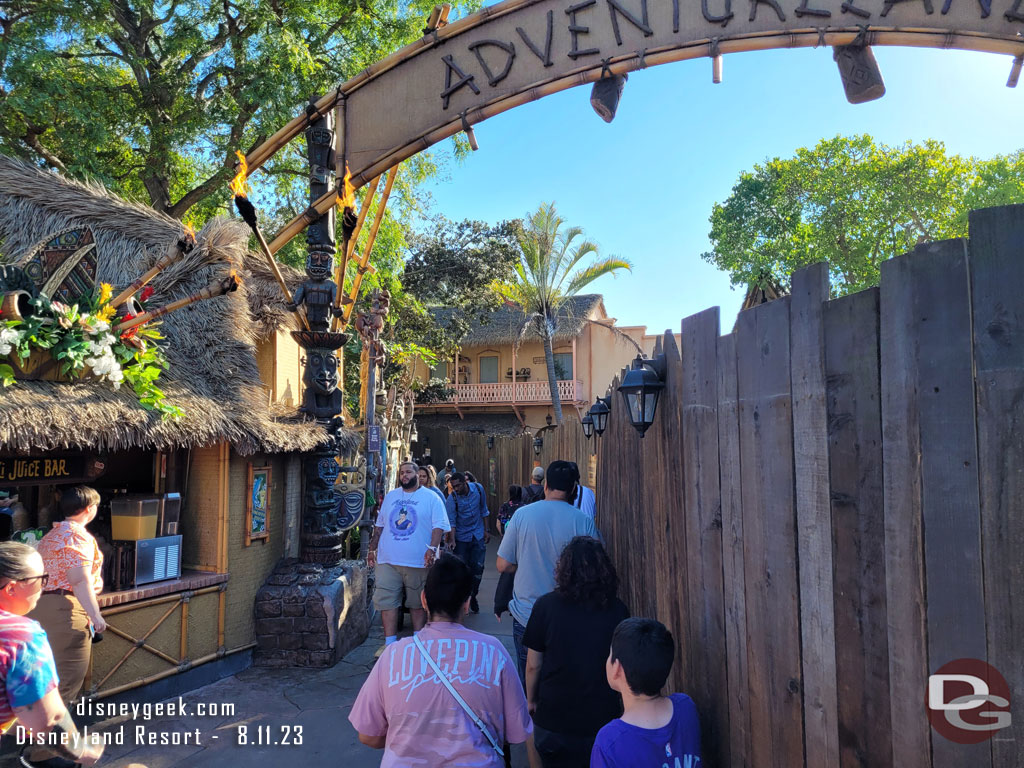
(364, 262)
(296, 125)
(632, 62)
(906, 35)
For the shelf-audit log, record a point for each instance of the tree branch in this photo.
(31, 139)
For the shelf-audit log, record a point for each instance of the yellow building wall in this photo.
(199, 513)
(279, 358)
(250, 566)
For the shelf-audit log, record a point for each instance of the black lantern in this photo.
(605, 95)
(641, 387)
(538, 443)
(414, 434)
(587, 422)
(490, 441)
(599, 413)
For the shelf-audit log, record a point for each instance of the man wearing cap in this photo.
(534, 539)
(535, 490)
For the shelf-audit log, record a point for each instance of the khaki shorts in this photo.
(391, 580)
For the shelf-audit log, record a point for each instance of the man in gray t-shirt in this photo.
(533, 541)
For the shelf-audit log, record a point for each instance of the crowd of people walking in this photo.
(585, 686)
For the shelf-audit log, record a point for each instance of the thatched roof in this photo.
(506, 324)
(210, 347)
(765, 290)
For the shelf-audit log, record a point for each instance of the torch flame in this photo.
(348, 192)
(238, 186)
(190, 230)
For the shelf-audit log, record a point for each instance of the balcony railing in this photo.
(520, 393)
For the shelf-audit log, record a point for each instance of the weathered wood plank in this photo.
(732, 554)
(950, 498)
(904, 550)
(662, 446)
(858, 530)
(814, 516)
(703, 504)
(997, 273)
(769, 529)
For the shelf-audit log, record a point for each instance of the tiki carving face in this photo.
(318, 264)
(322, 371)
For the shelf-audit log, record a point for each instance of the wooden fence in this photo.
(511, 459)
(829, 508)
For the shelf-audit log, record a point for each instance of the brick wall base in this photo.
(310, 616)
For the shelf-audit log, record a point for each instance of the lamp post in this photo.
(599, 413)
(641, 388)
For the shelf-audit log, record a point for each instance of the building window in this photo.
(563, 366)
(440, 371)
(488, 370)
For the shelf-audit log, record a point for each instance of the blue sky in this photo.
(643, 186)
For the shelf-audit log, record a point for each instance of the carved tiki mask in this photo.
(322, 371)
(318, 264)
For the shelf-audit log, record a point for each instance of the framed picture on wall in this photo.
(257, 504)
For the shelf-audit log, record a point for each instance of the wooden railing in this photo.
(522, 392)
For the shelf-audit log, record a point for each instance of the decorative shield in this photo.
(64, 266)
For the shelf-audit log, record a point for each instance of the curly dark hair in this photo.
(585, 574)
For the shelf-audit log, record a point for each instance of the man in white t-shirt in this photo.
(405, 539)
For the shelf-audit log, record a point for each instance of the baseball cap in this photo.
(538, 473)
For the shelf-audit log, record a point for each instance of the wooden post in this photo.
(575, 394)
(513, 377)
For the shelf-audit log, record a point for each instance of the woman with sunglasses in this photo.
(68, 609)
(28, 678)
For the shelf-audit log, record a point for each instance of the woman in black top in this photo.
(568, 637)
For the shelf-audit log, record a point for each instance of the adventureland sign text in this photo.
(579, 32)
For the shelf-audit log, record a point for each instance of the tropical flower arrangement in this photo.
(85, 339)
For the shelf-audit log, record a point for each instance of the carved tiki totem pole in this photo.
(322, 536)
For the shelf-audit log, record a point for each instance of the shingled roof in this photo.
(505, 326)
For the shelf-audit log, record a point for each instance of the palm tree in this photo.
(547, 275)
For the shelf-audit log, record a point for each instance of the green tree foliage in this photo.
(548, 272)
(853, 203)
(153, 98)
(457, 265)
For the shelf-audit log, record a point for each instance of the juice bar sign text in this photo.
(50, 469)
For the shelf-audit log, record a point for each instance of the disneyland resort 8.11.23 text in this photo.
(136, 726)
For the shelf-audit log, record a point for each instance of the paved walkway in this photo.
(271, 705)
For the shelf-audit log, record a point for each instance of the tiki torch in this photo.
(218, 287)
(349, 224)
(184, 245)
(248, 213)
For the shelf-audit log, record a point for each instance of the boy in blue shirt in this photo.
(654, 730)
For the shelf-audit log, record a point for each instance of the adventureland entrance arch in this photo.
(518, 51)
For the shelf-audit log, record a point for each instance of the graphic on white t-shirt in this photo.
(403, 521)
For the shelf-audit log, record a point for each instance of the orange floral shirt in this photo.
(69, 545)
